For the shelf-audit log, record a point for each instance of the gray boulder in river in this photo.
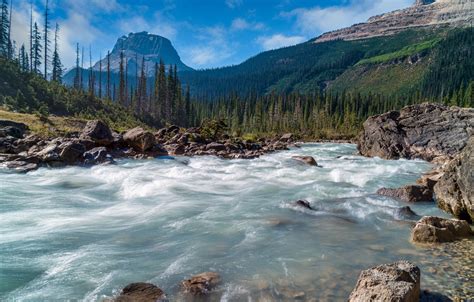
(455, 189)
(399, 281)
(426, 131)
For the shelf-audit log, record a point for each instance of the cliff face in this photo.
(137, 46)
(423, 13)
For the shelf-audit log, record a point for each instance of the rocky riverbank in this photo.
(98, 144)
(440, 134)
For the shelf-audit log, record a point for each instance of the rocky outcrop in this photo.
(140, 292)
(455, 189)
(409, 193)
(97, 144)
(425, 13)
(399, 281)
(431, 132)
(431, 229)
(308, 160)
(201, 284)
(303, 204)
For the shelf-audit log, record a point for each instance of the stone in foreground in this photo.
(455, 190)
(410, 193)
(141, 292)
(395, 282)
(309, 160)
(430, 229)
(201, 284)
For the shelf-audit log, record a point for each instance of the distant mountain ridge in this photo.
(139, 46)
(424, 13)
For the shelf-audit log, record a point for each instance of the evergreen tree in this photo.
(77, 75)
(47, 42)
(57, 66)
(24, 60)
(121, 81)
(4, 29)
(108, 76)
(36, 49)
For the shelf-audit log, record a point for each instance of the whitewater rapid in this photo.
(84, 233)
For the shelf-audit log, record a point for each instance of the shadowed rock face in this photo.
(399, 281)
(424, 13)
(455, 190)
(427, 131)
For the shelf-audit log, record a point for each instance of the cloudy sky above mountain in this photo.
(206, 33)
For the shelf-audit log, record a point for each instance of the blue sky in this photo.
(206, 34)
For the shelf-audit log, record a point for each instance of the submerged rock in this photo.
(139, 139)
(427, 131)
(97, 155)
(309, 160)
(399, 281)
(303, 204)
(455, 189)
(410, 193)
(406, 213)
(430, 229)
(98, 132)
(141, 292)
(201, 284)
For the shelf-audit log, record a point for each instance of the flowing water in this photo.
(84, 233)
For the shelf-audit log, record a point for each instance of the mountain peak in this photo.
(424, 13)
(143, 45)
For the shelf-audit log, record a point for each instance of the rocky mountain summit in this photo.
(137, 46)
(424, 13)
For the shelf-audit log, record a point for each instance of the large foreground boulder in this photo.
(140, 292)
(427, 131)
(431, 229)
(139, 139)
(397, 282)
(98, 132)
(409, 193)
(201, 284)
(455, 189)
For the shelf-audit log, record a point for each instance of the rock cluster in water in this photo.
(97, 144)
(433, 132)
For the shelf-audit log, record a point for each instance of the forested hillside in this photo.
(406, 63)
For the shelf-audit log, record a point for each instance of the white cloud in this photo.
(242, 24)
(278, 41)
(212, 49)
(233, 3)
(317, 20)
(159, 25)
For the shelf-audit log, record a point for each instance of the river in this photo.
(84, 233)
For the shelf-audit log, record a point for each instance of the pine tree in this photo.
(46, 39)
(57, 66)
(24, 60)
(31, 35)
(91, 85)
(77, 75)
(100, 76)
(4, 29)
(36, 49)
(122, 81)
(108, 75)
(11, 46)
